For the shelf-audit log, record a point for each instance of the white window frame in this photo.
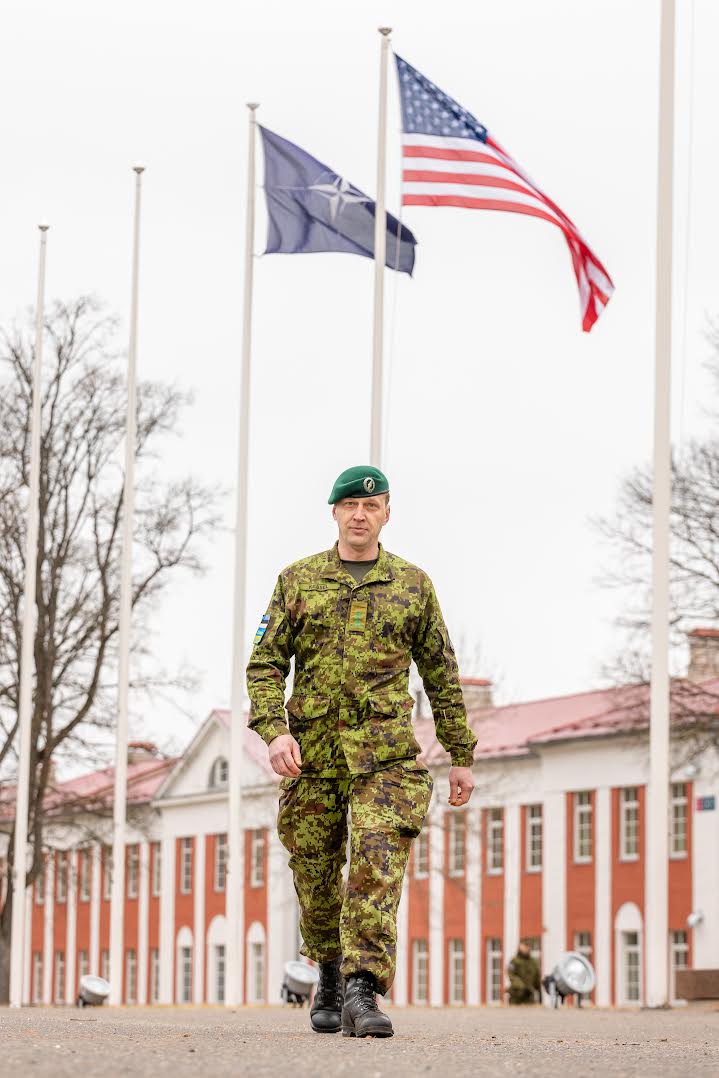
(629, 823)
(220, 874)
(37, 971)
(107, 873)
(220, 972)
(420, 860)
(186, 859)
(420, 972)
(631, 949)
(155, 975)
(130, 975)
(133, 869)
(156, 853)
(83, 964)
(679, 810)
(582, 830)
(679, 958)
(495, 842)
(534, 838)
(84, 875)
(40, 886)
(257, 858)
(105, 964)
(59, 994)
(61, 876)
(457, 842)
(495, 974)
(257, 971)
(185, 975)
(455, 971)
(583, 945)
(219, 773)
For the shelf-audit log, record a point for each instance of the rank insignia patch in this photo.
(358, 616)
(262, 628)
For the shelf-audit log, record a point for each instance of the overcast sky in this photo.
(507, 428)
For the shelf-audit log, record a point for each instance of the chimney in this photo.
(703, 654)
(477, 692)
(138, 751)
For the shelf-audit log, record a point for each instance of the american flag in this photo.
(450, 159)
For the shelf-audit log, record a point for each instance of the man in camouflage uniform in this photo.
(523, 972)
(354, 617)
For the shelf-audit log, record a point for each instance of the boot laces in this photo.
(365, 995)
(329, 990)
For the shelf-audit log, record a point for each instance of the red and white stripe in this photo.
(445, 171)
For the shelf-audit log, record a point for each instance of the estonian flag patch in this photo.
(262, 628)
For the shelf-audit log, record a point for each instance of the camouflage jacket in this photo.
(350, 709)
(523, 972)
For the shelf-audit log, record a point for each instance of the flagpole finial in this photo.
(138, 168)
(252, 105)
(385, 30)
(43, 226)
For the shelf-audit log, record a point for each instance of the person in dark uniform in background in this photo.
(524, 979)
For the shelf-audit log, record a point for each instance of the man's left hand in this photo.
(461, 784)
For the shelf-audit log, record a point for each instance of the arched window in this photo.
(219, 772)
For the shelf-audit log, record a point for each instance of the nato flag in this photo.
(311, 209)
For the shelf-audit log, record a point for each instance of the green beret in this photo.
(362, 481)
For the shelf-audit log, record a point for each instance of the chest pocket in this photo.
(319, 602)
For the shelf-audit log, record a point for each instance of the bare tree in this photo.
(694, 574)
(77, 571)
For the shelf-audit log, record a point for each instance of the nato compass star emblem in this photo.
(339, 194)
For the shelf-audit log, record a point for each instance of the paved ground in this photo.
(204, 1042)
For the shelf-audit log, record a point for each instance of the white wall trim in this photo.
(95, 885)
(473, 905)
(71, 926)
(399, 988)
(512, 864)
(198, 979)
(602, 942)
(554, 877)
(48, 956)
(167, 919)
(436, 903)
(143, 923)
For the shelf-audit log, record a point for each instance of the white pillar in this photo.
(511, 880)
(602, 943)
(473, 904)
(554, 877)
(48, 930)
(71, 929)
(95, 891)
(436, 902)
(235, 881)
(400, 988)
(198, 980)
(167, 920)
(281, 905)
(705, 870)
(143, 923)
(28, 948)
(657, 814)
(119, 814)
(380, 251)
(27, 663)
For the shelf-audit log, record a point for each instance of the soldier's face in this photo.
(360, 520)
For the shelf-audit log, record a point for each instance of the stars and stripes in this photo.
(450, 159)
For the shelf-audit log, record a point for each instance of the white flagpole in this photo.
(27, 664)
(117, 895)
(380, 247)
(657, 814)
(235, 904)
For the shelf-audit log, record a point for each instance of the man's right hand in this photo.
(285, 756)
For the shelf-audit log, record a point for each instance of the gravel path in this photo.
(204, 1042)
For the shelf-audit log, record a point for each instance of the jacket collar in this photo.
(381, 571)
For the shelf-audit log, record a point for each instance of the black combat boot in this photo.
(326, 1010)
(361, 1017)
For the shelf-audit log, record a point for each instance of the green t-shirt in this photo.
(358, 569)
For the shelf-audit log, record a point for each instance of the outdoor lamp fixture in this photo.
(300, 979)
(93, 991)
(695, 918)
(573, 975)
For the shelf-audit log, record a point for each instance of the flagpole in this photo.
(27, 665)
(235, 904)
(117, 895)
(657, 813)
(380, 247)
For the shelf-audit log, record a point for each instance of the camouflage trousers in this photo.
(356, 918)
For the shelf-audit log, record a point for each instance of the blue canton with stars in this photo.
(427, 110)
